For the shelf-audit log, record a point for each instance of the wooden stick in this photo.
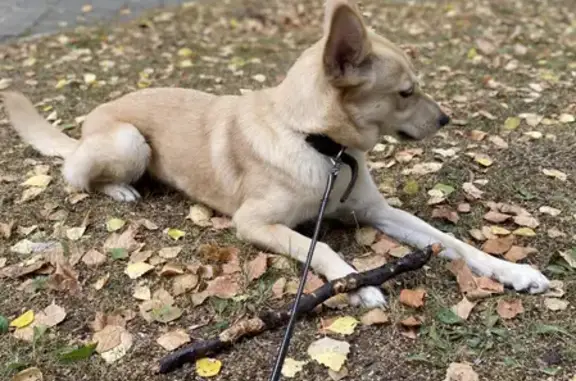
(272, 319)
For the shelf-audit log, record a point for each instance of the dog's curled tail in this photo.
(34, 129)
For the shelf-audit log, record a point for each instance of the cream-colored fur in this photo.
(246, 156)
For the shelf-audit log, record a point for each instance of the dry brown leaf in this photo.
(369, 262)
(170, 252)
(140, 256)
(163, 296)
(51, 315)
(498, 246)
(461, 372)
(313, 282)
(384, 245)
(464, 276)
(224, 286)
(411, 321)
(149, 225)
(93, 258)
(108, 338)
(555, 304)
(446, 213)
(125, 240)
(184, 283)
(101, 282)
(172, 340)
(375, 317)
(278, 288)
(477, 234)
(6, 229)
(463, 308)
(489, 284)
(472, 192)
(30, 374)
(517, 253)
(412, 298)
(366, 235)
(171, 269)
(257, 267)
(528, 221)
(509, 309)
(200, 215)
(463, 208)
(233, 262)
(64, 278)
(496, 217)
(142, 293)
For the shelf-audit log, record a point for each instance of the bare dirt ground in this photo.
(505, 71)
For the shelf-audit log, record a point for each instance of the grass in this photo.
(233, 41)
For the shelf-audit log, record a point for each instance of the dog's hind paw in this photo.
(370, 297)
(121, 192)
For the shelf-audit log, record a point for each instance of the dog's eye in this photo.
(407, 93)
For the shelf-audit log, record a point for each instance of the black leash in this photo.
(335, 151)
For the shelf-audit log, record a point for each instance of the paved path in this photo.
(28, 17)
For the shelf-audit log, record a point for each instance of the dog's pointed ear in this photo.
(347, 43)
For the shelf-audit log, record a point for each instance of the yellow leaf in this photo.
(343, 325)
(40, 181)
(175, 234)
(137, 269)
(511, 123)
(114, 224)
(74, 234)
(329, 352)
(524, 232)
(292, 367)
(499, 230)
(472, 53)
(89, 78)
(484, 160)
(61, 83)
(23, 320)
(207, 367)
(555, 173)
(185, 52)
(185, 63)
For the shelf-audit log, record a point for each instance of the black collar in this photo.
(336, 151)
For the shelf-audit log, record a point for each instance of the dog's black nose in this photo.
(444, 120)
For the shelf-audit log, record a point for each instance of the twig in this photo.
(272, 319)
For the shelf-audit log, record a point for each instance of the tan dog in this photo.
(247, 157)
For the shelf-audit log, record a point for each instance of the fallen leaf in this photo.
(365, 236)
(137, 269)
(517, 253)
(278, 288)
(23, 320)
(412, 298)
(340, 375)
(123, 241)
(461, 372)
(555, 304)
(115, 224)
(446, 213)
(292, 367)
(527, 221)
(550, 211)
(509, 309)
(464, 276)
(375, 317)
(40, 181)
(566, 118)
(477, 135)
(51, 315)
(184, 283)
(6, 229)
(166, 313)
(498, 246)
(384, 245)
(93, 258)
(569, 257)
(423, 169)
(142, 293)
(30, 374)
(498, 142)
(313, 282)
(170, 252)
(4, 324)
(498, 230)
(411, 187)
(411, 322)
(496, 217)
(556, 174)
(472, 191)
(463, 308)
(108, 338)
(343, 325)
(511, 123)
(477, 234)
(184, 52)
(119, 351)
(30, 194)
(207, 367)
(79, 353)
(490, 285)
(224, 287)
(399, 252)
(175, 234)
(172, 340)
(256, 267)
(200, 215)
(329, 352)
(171, 269)
(524, 232)
(556, 289)
(483, 160)
(368, 262)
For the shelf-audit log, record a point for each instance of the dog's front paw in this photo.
(523, 278)
(370, 297)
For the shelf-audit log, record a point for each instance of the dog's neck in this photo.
(324, 144)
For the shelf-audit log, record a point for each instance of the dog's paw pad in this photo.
(121, 192)
(370, 297)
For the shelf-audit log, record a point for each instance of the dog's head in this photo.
(374, 82)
